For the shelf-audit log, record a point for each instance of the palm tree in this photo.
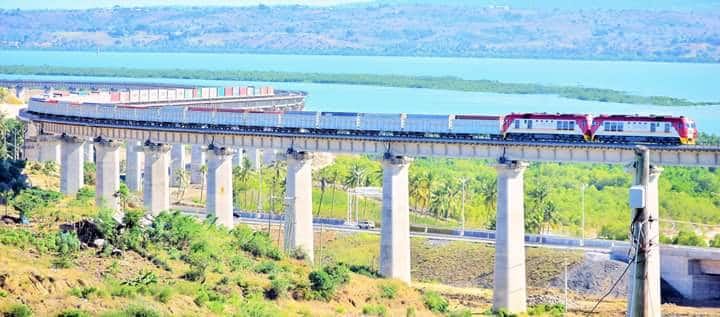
(203, 173)
(323, 180)
(333, 177)
(182, 180)
(488, 189)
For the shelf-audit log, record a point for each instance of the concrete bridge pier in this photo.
(509, 287)
(71, 164)
(219, 185)
(49, 148)
(156, 183)
(133, 170)
(89, 152)
(298, 212)
(238, 157)
(395, 230)
(269, 156)
(254, 155)
(197, 160)
(177, 155)
(107, 183)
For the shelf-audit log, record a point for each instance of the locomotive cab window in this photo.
(667, 128)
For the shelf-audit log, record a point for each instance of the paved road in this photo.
(200, 212)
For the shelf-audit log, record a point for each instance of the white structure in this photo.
(89, 152)
(107, 182)
(395, 231)
(156, 183)
(298, 214)
(219, 185)
(197, 160)
(71, 165)
(49, 148)
(509, 288)
(133, 167)
(177, 155)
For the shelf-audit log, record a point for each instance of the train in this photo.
(515, 126)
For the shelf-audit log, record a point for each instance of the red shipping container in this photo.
(114, 96)
(228, 91)
(194, 92)
(243, 91)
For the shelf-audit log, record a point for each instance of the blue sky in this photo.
(84, 4)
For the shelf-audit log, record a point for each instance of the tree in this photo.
(6, 194)
(538, 197)
(323, 181)
(203, 179)
(123, 195)
(690, 238)
(488, 189)
(26, 203)
(182, 179)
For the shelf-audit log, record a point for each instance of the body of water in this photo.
(693, 81)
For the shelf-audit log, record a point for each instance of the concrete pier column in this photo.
(254, 155)
(49, 148)
(133, 169)
(219, 185)
(71, 165)
(395, 230)
(156, 183)
(197, 160)
(239, 157)
(269, 156)
(509, 287)
(89, 152)
(107, 183)
(298, 213)
(177, 155)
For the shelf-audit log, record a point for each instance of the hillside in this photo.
(408, 29)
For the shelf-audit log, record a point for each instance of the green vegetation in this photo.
(18, 310)
(444, 83)
(435, 302)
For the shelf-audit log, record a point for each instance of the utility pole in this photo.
(582, 195)
(645, 277)
(463, 181)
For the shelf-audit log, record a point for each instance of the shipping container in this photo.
(477, 125)
(380, 122)
(338, 121)
(221, 92)
(427, 123)
(144, 95)
(244, 91)
(251, 91)
(153, 95)
(162, 94)
(197, 92)
(213, 92)
(271, 91)
(134, 95)
(124, 96)
(228, 92)
(171, 95)
(205, 92)
(263, 119)
(179, 93)
(300, 119)
(235, 91)
(115, 96)
(189, 93)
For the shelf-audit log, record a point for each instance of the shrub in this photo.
(266, 267)
(164, 295)
(374, 310)
(460, 313)
(410, 311)
(324, 281)
(18, 310)
(257, 308)
(364, 270)
(74, 313)
(689, 238)
(257, 243)
(556, 310)
(83, 292)
(435, 302)
(85, 195)
(133, 311)
(67, 244)
(278, 287)
(715, 242)
(388, 291)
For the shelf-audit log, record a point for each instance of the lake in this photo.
(686, 80)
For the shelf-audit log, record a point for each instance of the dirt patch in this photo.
(595, 274)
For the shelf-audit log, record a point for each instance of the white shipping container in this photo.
(428, 123)
(124, 96)
(381, 122)
(205, 92)
(179, 93)
(251, 91)
(171, 95)
(144, 95)
(213, 92)
(162, 94)
(478, 125)
(153, 95)
(188, 94)
(134, 95)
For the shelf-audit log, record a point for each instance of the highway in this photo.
(200, 212)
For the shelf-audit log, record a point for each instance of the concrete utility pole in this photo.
(645, 277)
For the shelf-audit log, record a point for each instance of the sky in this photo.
(85, 4)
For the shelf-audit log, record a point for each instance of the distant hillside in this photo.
(410, 29)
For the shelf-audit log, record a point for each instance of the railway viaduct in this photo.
(220, 147)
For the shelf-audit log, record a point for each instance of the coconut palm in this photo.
(182, 180)
(203, 173)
